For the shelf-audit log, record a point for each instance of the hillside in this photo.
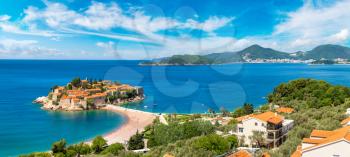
(256, 52)
(328, 52)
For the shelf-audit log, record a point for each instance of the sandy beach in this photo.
(134, 120)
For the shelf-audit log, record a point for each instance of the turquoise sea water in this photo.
(24, 127)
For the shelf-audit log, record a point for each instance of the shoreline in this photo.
(134, 120)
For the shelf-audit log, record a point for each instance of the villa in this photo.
(334, 143)
(273, 126)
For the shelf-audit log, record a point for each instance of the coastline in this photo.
(134, 120)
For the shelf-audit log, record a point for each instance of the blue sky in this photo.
(143, 29)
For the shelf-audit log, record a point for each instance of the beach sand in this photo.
(134, 120)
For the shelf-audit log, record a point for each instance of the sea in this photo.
(25, 128)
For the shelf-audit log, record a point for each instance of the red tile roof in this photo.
(241, 153)
(285, 110)
(269, 116)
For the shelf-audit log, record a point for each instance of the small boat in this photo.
(145, 106)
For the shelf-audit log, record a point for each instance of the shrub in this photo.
(136, 142)
(59, 146)
(113, 149)
(213, 142)
(98, 144)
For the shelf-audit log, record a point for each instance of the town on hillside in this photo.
(89, 94)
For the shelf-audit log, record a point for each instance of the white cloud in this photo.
(25, 49)
(109, 48)
(303, 29)
(211, 24)
(341, 36)
(4, 17)
(105, 16)
(312, 25)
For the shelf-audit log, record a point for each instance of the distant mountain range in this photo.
(254, 53)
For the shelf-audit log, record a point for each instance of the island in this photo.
(89, 94)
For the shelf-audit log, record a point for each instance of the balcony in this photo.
(273, 127)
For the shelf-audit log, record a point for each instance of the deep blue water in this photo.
(24, 127)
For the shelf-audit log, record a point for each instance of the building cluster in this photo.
(335, 143)
(270, 125)
(91, 95)
(258, 60)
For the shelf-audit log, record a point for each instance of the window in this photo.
(240, 129)
(256, 124)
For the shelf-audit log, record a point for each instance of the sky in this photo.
(146, 29)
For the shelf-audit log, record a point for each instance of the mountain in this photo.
(258, 52)
(328, 52)
(254, 52)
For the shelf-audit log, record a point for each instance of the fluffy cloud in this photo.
(25, 48)
(101, 16)
(4, 17)
(312, 25)
(302, 29)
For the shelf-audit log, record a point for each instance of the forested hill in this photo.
(308, 93)
(328, 52)
(255, 52)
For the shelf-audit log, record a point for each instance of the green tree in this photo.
(212, 142)
(161, 134)
(98, 144)
(59, 146)
(69, 87)
(233, 141)
(113, 149)
(248, 108)
(80, 149)
(76, 82)
(71, 153)
(136, 142)
(37, 154)
(238, 112)
(257, 138)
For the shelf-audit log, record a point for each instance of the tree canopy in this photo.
(314, 93)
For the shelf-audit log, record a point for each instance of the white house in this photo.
(324, 143)
(273, 126)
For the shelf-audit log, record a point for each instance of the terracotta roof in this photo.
(97, 95)
(321, 133)
(312, 141)
(241, 153)
(266, 116)
(285, 110)
(326, 138)
(269, 117)
(345, 121)
(297, 152)
(243, 117)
